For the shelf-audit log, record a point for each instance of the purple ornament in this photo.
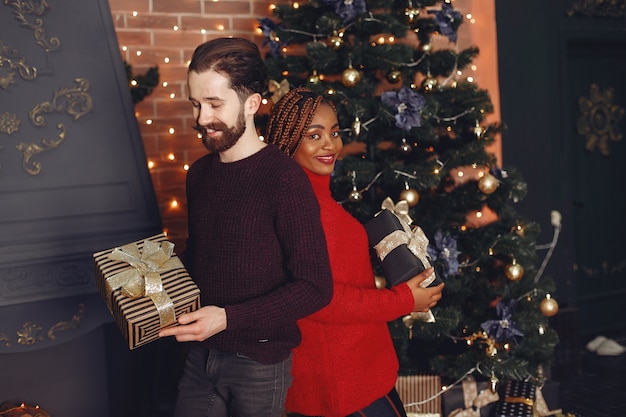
(348, 10)
(268, 27)
(505, 328)
(444, 248)
(445, 18)
(407, 105)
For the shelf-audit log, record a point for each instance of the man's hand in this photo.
(424, 298)
(198, 325)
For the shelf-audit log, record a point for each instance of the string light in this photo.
(453, 118)
(443, 389)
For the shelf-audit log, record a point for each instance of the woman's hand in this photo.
(424, 298)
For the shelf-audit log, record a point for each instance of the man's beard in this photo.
(229, 135)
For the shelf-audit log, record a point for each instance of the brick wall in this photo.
(164, 33)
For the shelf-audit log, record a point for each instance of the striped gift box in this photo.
(420, 394)
(139, 318)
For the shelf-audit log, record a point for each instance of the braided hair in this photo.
(291, 117)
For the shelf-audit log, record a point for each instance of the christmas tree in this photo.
(415, 130)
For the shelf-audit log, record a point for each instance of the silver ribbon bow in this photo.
(415, 240)
(401, 209)
(474, 400)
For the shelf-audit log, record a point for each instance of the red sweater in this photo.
(346, 359)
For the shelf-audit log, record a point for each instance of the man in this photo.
(256, 247)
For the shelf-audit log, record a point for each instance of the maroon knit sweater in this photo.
(256, 247)
(346, 359)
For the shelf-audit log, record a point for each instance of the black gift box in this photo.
(400, 264)
(517, 399)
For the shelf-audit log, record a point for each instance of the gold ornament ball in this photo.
(411, 196)
(335, 42)
(549, 307)
(479, 131)
(355, 196)
(314, 78)
(488, 184)
(350, 77)
(394, 76)
(429, 84)
(519, 230)
(514, 271)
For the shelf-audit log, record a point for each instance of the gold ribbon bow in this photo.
(278, 89)
(474, 400)
(144, 278)
(401, 209)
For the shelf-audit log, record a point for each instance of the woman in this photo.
(346, 364)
